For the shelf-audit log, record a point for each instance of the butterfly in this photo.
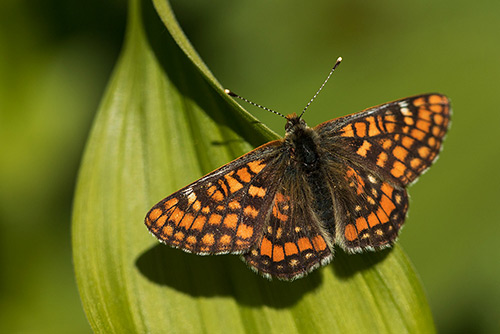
(286, 204)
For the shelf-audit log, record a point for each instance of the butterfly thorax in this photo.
(302, 143)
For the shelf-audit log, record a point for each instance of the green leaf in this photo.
(163, 122)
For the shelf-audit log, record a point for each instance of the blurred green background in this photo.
(56, 57)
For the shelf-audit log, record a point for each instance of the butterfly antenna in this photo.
(339, 59)
(228, 92)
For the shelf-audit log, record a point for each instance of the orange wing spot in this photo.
(382, 159)
(398, 169)
(211, 190)
(438, 119)
(256, 191)
(319, 243)
(225, 239)
(436, 131)
(418, 102)
(436, 108)
(234, 185)
(436, 99)
(199, 222)
(250, 211)
(176, 216)
(386, 143)
(347, 131)
(418, 134)
(277, 214)
(196, 206)
(363, 149)
(170, 203)
(373, 130)
(349, 173)
(206, 209)
(361, 223)
(382, 216)
(432, 142)
(387, 205)
(208, 239)
(256, 166)
(220, 208)
(154, 214)
(350, 232)
(231, 220)
(160, 221)
(218, 196)
(424, 151)
(391, 127)
(266, 247)
(244, 175)
(400, 153)
(423, 125)
(167, 230)
(409, 120)
(372, 219)
(279, 231)
(186, 221)
(291, 248)
(223, 186)
(415, 163)
(360, 129)
(390, 119)
(191, 239)
(234, 205)
(214, 219)
(304, 243)
(387, 190)
(179, 236)
(425, 115)
(278, 254)
(407, 142)
(244, 231)
(281, 198)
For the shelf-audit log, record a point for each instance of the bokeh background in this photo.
(56, 57)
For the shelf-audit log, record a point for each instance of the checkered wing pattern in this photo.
(223, 212)
(399, 140)
(293, 243)
(371, 214)
(382, 150)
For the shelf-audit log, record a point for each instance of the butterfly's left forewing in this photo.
(223, 212)
(398, 140)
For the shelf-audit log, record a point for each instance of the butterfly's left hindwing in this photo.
(223, 212)
(370, 211)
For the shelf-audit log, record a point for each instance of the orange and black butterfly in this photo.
(284, 205)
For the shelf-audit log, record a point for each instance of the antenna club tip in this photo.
(339, 59)
(228, 92)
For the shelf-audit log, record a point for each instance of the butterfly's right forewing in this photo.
(223, 212)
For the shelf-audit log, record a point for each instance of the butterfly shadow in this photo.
(346, 265)
(216, 276)
(227, 275)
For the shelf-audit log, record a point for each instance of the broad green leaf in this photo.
(163, 122)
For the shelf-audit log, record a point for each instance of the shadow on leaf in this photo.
(216, 276)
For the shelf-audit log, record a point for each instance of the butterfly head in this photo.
(294, 122)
